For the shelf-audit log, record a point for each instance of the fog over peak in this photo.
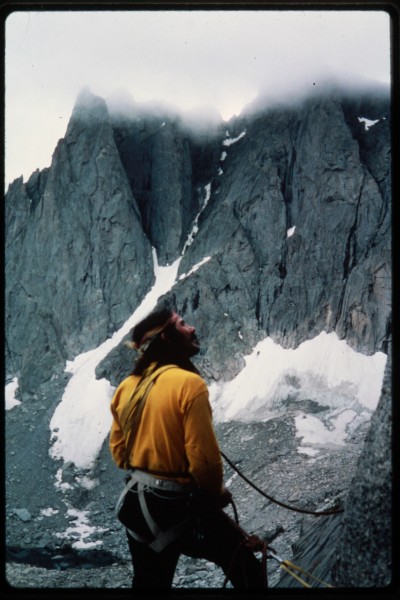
(172, 62)
(283, 91)
(122, 105)
(327, 82)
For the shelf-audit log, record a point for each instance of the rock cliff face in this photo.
(367, 531)
(296, 189)
(287, 187)
(77, 259)
(159, 158)
(291, 168)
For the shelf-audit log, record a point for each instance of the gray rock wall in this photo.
(77, 260)
(164, 161)
(364, 551)
(302, 168)
(157, 161)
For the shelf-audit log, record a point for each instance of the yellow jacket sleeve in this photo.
(202, 450)
(117, 440)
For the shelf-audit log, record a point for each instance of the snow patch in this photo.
(87, 483)
(315, 434)
(80, 530)
(195, 227)
(48, 512)
(230, 141)
(367, 122)
(290, 231)
(324, 369)
(11, 390)
(59, 484)
(195, 268)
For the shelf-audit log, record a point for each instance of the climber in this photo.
(162, 433)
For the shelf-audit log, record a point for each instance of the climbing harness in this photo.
(149, 483)
(146, 481)
(323, 513)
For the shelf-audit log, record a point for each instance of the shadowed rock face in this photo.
(367, 524)
(156, 158)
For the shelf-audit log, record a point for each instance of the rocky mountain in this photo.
(75, 226)
(79, 235)
(279, 223)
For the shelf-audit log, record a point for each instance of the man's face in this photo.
(187, 336)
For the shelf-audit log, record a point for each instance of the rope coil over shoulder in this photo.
(131, 415)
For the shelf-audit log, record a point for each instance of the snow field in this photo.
(324, 370)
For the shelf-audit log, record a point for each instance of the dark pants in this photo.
(220, 543)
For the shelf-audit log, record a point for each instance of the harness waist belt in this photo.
(160, 484)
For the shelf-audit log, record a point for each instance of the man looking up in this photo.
(162, 433)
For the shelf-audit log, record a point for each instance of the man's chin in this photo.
(195, 348)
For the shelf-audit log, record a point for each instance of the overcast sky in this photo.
(189, 59)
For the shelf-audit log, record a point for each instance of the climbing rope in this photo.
(249, 543)
(253, 542)
(256, 544)
(290, 567)
(323, 513)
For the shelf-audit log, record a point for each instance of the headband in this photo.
(151, 334)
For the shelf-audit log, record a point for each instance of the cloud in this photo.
(188, 59)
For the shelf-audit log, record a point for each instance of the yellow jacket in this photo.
(175, 434)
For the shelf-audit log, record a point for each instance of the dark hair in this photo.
(160, 351)
(157, 318)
